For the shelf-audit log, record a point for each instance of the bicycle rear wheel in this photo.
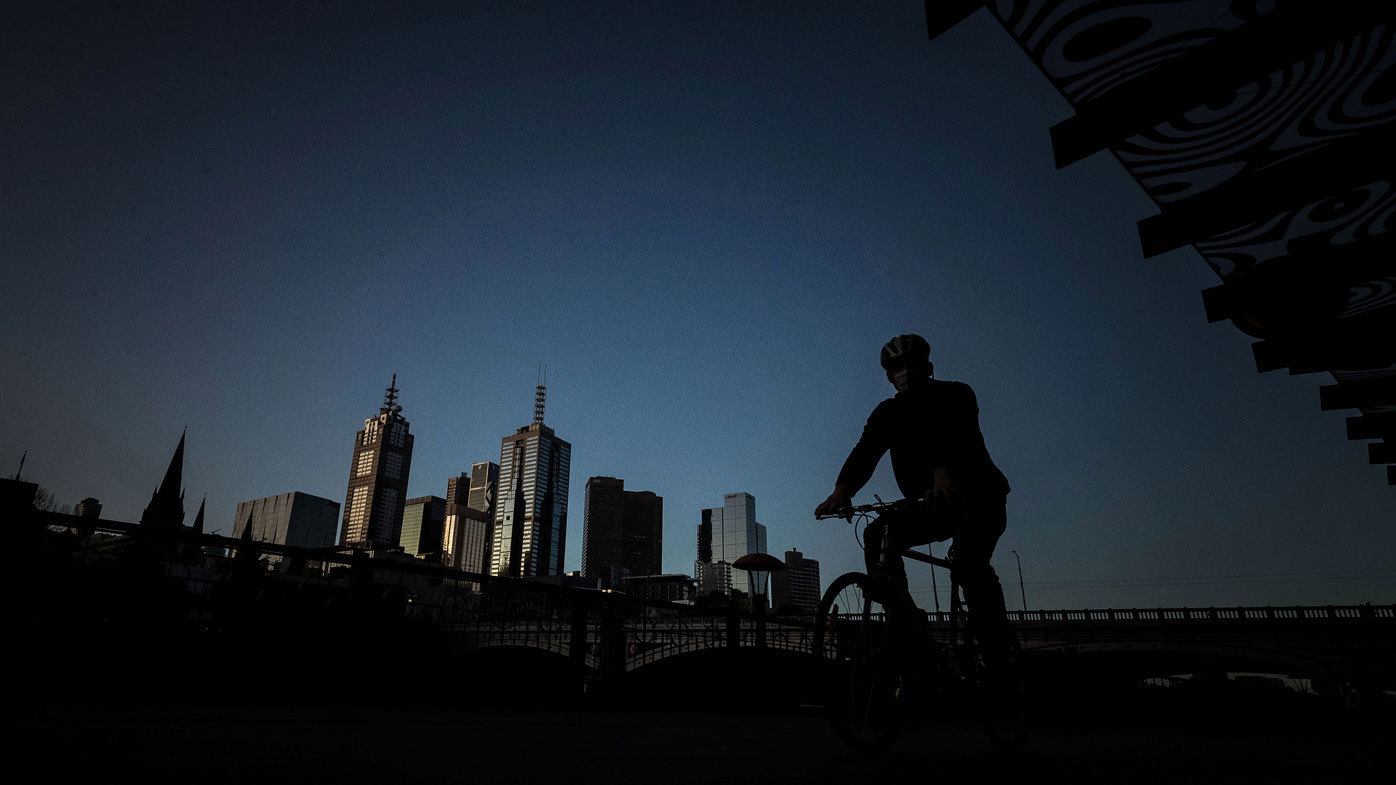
(857, 666)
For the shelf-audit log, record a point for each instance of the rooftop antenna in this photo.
(21, 463)
(390, 404)
(540, 397)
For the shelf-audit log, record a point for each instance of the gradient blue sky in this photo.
(704, 217)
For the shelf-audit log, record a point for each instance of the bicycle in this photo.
(871, 669)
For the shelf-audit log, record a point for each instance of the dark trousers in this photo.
(975, 525)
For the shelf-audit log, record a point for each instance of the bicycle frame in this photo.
(1000, 687)
(864, 512)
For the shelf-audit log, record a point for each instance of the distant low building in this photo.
(422, 522)
(714, 577)
(88, 508)
(295, 518)
(796, 586)
(17, 498)
(670, 587)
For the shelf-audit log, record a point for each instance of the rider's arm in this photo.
(862, 461)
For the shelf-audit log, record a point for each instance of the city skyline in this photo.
(706, 221)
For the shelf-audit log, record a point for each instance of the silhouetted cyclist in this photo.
(931, 427)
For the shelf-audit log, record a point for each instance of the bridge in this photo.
(237, 595)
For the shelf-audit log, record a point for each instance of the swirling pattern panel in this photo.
(1328, 97)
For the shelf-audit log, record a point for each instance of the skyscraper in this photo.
(378, 478)
(725, 534)
(622, 531)
(484, 486)
(642, 533)
(797, 585)
(457, 490)
(530, 518)
(467, 541)
(422, 521)
(289, 519)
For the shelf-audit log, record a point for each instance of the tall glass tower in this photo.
(530, 514)
(726, 534)
(378, 473)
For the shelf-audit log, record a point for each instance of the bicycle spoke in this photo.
(858, 683)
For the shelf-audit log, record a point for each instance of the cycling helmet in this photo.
(910, 348)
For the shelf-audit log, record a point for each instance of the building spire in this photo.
(174, 475)
(541, 395)
(247, 550)
(166, 508)
(390, 404)
(192, 548)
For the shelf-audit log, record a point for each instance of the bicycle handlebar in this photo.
(879, 507)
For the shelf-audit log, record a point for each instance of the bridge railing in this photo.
(600, 629)
(1232, 614)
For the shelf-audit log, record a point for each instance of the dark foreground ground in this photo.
(246, 743)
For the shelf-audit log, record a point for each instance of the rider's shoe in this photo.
(880, 588)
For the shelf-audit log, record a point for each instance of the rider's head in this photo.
(907, 361)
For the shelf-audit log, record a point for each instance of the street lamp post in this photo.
(1021, 590)
(758, 568)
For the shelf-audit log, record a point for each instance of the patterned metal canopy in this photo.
(1264, 133)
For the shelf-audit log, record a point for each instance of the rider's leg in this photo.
(903, 529)
(981, 523)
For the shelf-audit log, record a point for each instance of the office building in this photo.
(484, 484)
(457, 490)
(602, 511)
(378, 475)
(88, 508)
(661, 588)
(465, 540)
(726, 534)
(622, 531)
(422, 522)
(796, 586)
(642, 533)
(294, 518)
(530, 519)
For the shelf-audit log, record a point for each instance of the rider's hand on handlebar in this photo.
(837, 504)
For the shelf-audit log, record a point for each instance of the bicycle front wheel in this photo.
(857, 665)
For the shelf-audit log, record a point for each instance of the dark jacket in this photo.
(935, 424)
